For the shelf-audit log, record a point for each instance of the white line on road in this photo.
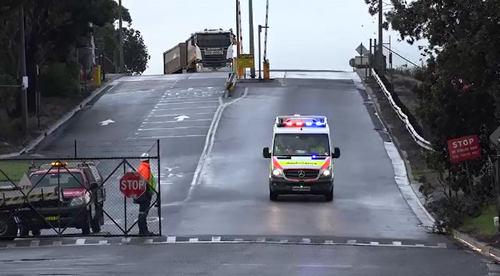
(170, 128)
(183, 108)
(191, 98)
(210, 140)
(295, 265)
(177, 114)
(197, 102)
(169, 122)
(166, 137)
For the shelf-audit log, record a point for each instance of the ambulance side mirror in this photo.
(266, 153)
(336, 153)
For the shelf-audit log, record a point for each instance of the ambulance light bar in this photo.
(298, 121)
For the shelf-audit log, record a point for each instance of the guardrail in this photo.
(230, 84)
(414, 134)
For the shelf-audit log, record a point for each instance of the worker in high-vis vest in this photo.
(144, 200)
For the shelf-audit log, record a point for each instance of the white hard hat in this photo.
(144, 157)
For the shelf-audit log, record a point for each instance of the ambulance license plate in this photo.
(301, 188)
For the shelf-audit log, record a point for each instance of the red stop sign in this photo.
(132, 184)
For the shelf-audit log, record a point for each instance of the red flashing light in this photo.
(292, 123)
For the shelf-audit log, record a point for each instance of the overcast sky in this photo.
(312, 34)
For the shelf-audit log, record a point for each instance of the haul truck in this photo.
(210, 49)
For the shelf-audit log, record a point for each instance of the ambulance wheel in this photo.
(329, 196)
(273, 196)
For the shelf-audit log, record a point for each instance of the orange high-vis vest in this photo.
(145, 170)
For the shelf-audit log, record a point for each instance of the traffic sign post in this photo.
(464, 148)
(246, 61)
(133, 185)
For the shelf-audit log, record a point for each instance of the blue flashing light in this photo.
(302, 122)
(314, 156)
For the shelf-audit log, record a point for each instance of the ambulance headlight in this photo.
(277, 172)
(325, 173)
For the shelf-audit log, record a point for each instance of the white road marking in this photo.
(166, 137)
(210, 140)
(171, 128)
(163, 102)
(173, 115)
(396, 243)
(169, 122)
(183, 108)
(106, 122)
(181, 118)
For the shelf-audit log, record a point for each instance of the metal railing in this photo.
(414, 134)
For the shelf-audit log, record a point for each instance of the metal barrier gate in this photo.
(79, 196)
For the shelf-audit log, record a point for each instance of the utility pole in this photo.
(120, 25)
(260, 58)
(24, 81)
(380, 38)
(238, 48)
(252, 46)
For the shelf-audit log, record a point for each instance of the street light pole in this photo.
(260, 61)
(252, 46)
(120, 26)
(238, 49)
(380, 39)
(24, 80)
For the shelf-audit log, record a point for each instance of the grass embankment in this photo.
(482, 226)
(13, 170)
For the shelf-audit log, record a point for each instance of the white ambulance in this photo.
(301, 157)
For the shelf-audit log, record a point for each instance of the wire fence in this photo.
(103, 196)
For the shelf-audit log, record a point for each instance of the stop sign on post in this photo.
(132, 184)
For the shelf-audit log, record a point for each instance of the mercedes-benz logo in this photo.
(302, 174)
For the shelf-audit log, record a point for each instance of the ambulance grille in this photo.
(295, 173)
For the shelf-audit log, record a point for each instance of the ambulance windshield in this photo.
(301, 144)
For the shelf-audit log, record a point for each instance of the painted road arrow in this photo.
(181, 118)
(107, 122)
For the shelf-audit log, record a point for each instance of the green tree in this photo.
(459, 96)
(135, 52)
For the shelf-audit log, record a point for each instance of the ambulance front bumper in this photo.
(286, 186)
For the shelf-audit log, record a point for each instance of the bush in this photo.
(60, 80)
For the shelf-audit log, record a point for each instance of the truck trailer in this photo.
(210, 49)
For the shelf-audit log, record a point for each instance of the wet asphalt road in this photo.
(177, 110)
(229, 196)
(234, 199)
(240, 259)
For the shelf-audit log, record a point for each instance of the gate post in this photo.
(159, 186)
